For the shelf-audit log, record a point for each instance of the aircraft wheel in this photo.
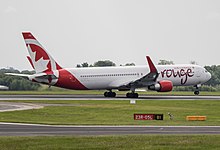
(136, 95)
(113, 94)
(132, 95)
(106, 94)
(196, 92)
(128, 95)
(109, 94)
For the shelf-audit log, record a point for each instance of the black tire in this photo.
(109, 94)
(106, 94)
(128, 95)
(132, 95)
(112, 94)
(135, 95)
(196, 92)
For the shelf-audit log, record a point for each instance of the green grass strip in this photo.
(117, 112)
(125, 142)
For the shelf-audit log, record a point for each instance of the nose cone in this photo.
(208, 76)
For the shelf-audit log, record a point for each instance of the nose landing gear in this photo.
(196, 92)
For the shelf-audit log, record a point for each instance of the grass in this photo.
(116, 112)
(126, 142)
(100, 92)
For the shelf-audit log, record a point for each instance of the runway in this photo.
(101, 97)
(15, 129)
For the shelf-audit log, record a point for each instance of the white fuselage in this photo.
(160, 78)
(113, 77)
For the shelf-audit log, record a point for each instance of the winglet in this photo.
(153, 69)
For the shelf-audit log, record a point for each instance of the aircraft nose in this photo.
(208, 76)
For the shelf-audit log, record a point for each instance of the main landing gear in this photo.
(196, 92)
(110, 94)
(128, 95)
(132, 95)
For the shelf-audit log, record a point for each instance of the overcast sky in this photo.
(124, 31)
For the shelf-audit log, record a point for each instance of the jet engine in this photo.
(162, 86)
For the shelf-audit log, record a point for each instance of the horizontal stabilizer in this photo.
(34, 76)
(46, 76)
(19, 75)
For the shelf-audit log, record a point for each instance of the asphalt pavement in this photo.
(15, 129)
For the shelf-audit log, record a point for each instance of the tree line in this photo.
(101, 63)
(17, 83)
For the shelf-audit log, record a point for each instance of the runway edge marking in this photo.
(107, 126)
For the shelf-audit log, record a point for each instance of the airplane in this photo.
(160, 78)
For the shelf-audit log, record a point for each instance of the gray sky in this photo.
(76, 31)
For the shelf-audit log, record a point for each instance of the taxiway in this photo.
(16, 129)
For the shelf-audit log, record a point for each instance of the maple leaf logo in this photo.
(41, 64)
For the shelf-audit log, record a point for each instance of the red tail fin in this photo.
(39, 58)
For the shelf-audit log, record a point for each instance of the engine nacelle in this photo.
(162, 86)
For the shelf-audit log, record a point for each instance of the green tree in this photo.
(78, 66)
(215, 72)
(104, 63)
(130, 64)
(85, 64)
(17, 83)
(193, 62)
(165, 62)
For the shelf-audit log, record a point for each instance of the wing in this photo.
(146, 80)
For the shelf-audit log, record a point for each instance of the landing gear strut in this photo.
(110, 94)
(196, 92)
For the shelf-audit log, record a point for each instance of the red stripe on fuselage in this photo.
(68, 81)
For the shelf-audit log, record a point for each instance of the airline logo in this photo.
(39, 58)
(42, 62)
(183, 73)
